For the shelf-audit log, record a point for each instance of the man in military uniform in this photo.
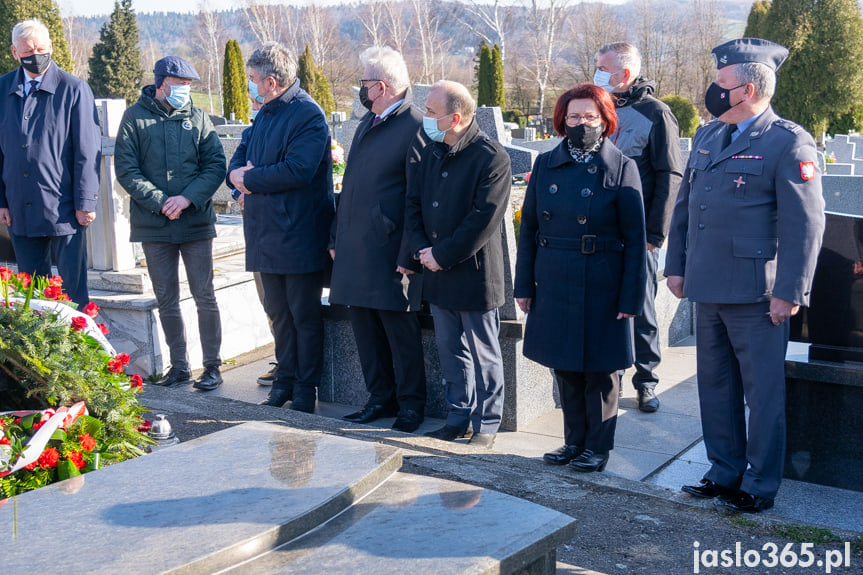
(743, 243)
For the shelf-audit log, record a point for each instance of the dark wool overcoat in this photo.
(581, 257)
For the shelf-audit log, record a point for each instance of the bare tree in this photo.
(492, 22)
(210, 36)
(320, 33)
(706, 26)
(544, 20)
(265, 20)
(430, 43)
(79, 45)
(398, 27)
(371, 16)
(590, 27)
(653, 27)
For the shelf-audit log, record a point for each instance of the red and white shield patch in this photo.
(807, 170)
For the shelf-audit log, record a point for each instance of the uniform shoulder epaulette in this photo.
(710, 122)
(789, 125)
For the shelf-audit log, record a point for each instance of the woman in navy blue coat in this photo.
(580, 271)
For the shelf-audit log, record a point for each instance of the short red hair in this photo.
(586, 92)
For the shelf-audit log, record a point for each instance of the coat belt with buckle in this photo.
(586, 244)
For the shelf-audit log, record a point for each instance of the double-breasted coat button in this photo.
(552, 189)
(444, 174)
(591, 169)
(586, 192)
(543, 242)
(546, 216)
(582, 219)
(434, 204)
(434, 235)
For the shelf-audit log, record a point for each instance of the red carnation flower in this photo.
(145, 426)
(4, 440)
(103, 328)
(55, 281)
(31, 465)
(49, 458)
(115, 366)
(136, 381)
(91, 309)
(123, 357)
(24, 278)
(37, 425)
(52, 292)
(5, 274)
(78, 323)
(87, 442)
(77, 458)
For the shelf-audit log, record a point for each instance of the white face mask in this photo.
(602, 79)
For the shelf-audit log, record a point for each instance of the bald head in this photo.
(456, 99)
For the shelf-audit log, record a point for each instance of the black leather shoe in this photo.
(707, 489)
(278, 397)
(408, 421)
(369, 413)
(589, 461)
(484, 440)
(304, 398)
(450, 433)
(742, 502)
(562, 455)
(647, 400)
(209, 380)
(176, 378)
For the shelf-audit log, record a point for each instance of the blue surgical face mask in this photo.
(180, 95)
(602, 78)
(253, 90)
(431, 129)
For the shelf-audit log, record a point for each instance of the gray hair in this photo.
(626, 55)
(273, 60)
(29, 29)
(458, 99)
(384, 63)
(759, 75)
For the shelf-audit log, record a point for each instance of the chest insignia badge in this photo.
(740, 181)
(187, 125)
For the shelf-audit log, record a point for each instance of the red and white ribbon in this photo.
(62, 417)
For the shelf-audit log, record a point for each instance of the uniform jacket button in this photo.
(591, 169)
(444, 174)
(543, 242)
(703, 207)
(434, 204)
(434, 235)
(700, 226)
(552, 189)
(582, 219)
(708, 188)
(546, 216)
(586, 192)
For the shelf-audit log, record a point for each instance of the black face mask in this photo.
(584, 137)
(36, 63)
(717, 99)
(365, 100)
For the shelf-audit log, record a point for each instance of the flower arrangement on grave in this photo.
(66, 405)
(830, 158)
(338, 153)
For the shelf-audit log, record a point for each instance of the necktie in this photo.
(33, 85)
(729, 129)
(376, 121)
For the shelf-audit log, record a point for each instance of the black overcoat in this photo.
(576, 294)
(367, 230)
(456, 202)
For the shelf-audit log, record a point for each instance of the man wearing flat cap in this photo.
(169, 159)
(744, 239)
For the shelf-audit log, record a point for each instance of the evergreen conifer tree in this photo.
(498, 92)
(315, 82)
(115, 66)
(485, 88)
(234, 84)
(756, 23)
(14, 11)
(822, 80)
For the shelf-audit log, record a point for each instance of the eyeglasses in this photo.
(362, 80)
(576, 119)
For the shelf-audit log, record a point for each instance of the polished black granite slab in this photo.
(824, 420)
